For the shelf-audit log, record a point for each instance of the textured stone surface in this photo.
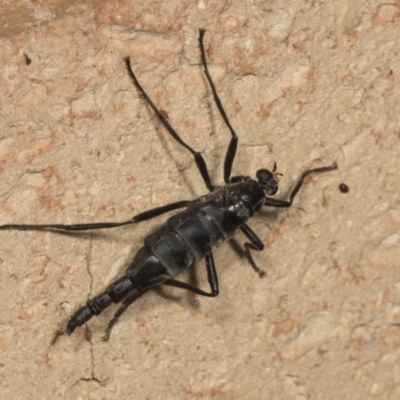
(304, 84)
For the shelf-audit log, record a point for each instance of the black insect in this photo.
(191, 234)
(344, 188)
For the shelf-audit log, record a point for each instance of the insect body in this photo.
(191, 234)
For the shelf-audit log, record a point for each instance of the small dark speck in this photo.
(27, 60)
(344, 188)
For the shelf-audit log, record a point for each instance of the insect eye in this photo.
(264, 176)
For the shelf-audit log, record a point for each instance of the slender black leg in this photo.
(231, 152)
(201, 164)
(126, 303)
(288, 203)
(255, 244)
(212, 280)
(155, 212)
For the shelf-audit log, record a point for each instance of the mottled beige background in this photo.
(304, 83)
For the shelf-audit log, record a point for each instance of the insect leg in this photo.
(288, 203)
(155, 212)
(255, 244)
(198, 158)
(231, 152)
(212, 280)
(126, 303)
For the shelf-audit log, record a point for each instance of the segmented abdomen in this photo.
(188, 236)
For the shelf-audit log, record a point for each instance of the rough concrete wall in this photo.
(304, 84)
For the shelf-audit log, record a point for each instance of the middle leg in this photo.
(255, 244)
(212, 280)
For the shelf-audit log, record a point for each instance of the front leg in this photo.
(288, 203)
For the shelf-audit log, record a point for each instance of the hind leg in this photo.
(126, 303)
(144, 216)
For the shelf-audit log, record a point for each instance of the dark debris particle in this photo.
(344, 188)
(27, 60)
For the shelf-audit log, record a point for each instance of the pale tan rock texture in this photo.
(304, 83)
